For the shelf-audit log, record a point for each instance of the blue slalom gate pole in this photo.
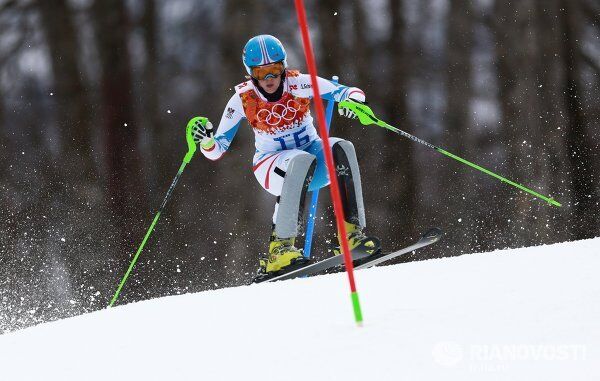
(314, 201)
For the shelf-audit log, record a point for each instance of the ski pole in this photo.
(367, 117)
(314, 201)
(188, 157)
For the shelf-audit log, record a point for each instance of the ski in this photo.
(431, 236)
(361, 259)
(314, 267)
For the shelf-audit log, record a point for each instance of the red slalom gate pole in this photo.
(334, 187)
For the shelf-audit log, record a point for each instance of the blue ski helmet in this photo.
(263, 50)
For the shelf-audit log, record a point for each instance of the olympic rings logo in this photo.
(279, 112)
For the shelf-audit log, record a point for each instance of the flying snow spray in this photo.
(188, 157)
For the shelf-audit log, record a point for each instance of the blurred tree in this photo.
(458, 84)
(329, 21)
(398, 155)
(3, 149)
(111, 26)
(550, 67)
(16, 30)
(150, 84)
(591, 12)
(73, 105)
(359, 56)
(361, 50)
(586, 196)
(458, 131)
(2, 128)
(235, 174)
(517, 51)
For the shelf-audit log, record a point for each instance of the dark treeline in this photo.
(95, 96)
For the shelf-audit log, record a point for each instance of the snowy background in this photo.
(95, 94)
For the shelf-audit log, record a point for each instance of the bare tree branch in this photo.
(9, 53)
(11, 5)
(7, 6)
(591, 62)
(19, 21)
(591, 11)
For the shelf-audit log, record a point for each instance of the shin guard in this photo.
(293, 193)
(348, 175)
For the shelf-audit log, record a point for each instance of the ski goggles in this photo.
(273, 70)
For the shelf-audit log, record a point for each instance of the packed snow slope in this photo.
(526, 314)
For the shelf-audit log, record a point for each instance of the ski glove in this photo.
(355, 97)
(203, 133)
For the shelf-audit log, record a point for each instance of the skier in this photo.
(289, 158)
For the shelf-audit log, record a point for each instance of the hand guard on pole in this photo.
(348, 112)
(203, 131)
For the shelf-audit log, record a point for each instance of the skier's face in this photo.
(270, 85)
(268, 76)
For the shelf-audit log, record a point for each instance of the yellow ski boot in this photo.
(358, 241)
(283, 256)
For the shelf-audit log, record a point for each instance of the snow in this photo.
(525, 314)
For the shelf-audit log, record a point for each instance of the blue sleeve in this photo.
(228, 127)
